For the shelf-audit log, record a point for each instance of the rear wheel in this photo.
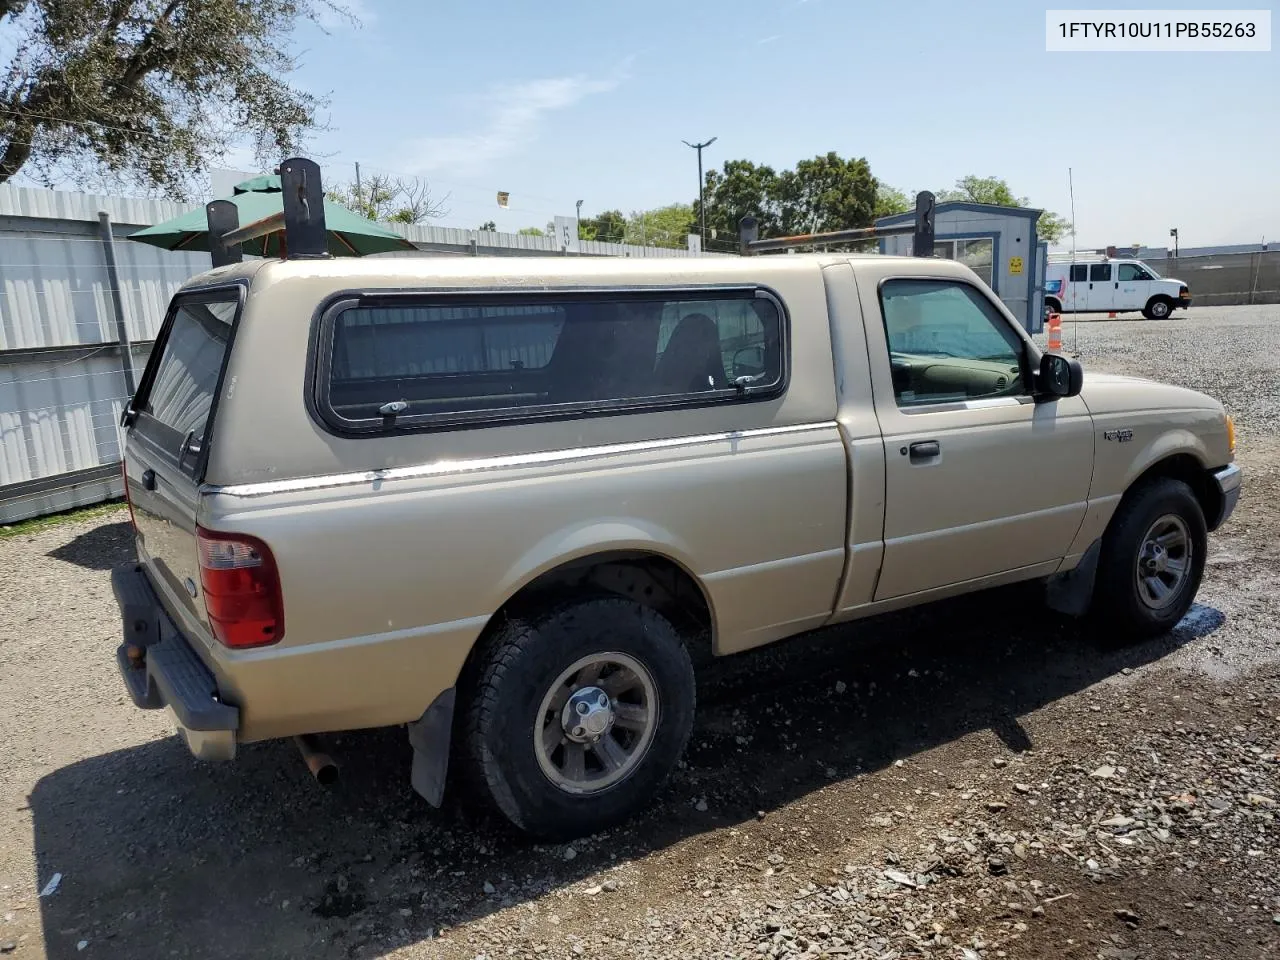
(1051, 306)
(1152, 561)
(578, 716)
(1158, 308)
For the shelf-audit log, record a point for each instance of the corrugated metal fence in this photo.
(62, 386)
(61, 382)
(1226, 279)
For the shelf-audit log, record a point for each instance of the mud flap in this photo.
(1072, 592)
(429, 736)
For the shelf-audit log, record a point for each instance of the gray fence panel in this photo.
(1227, 279)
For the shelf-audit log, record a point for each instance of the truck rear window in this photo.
(178, 392)
(466, 361)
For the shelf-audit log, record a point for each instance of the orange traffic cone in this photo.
(1055, 331)
(1111, 315)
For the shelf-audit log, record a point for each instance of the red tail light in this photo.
(241, 589)
(124, 472)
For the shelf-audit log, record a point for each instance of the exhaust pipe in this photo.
(322, 766)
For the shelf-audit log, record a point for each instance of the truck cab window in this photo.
(1130, 272)
(948, 344)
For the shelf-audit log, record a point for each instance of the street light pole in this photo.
(1174, 233)
(702, 206)
(578, 219)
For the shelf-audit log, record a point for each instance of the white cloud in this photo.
(763, 40)
(512, 115)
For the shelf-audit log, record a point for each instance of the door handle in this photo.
(925, 450)
(1117, 286)
(148, 479)
(1091, 286)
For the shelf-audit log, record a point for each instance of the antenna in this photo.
(1071, 187)
(1075, 325)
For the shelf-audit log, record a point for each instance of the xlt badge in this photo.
(1120, 436)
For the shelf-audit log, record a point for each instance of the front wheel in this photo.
(579, 714)
(1158, 308)
(1152, 561)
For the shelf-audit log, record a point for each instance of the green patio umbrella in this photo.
(349, 235)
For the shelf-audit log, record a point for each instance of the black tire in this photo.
(1119, 607)
(1051, 306)
(520, 663)
(1158, 308)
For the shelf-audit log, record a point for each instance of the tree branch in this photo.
(140, 63)
(16, 152)
(23, 123)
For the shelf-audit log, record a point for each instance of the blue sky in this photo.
(556, 102)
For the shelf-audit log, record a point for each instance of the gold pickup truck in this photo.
(502, 501)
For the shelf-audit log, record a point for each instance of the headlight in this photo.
(1231, 436)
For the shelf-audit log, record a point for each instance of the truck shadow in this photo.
(162, 856)
(98, 548)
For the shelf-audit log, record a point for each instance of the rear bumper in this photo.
(1228, 480)
(160, 669)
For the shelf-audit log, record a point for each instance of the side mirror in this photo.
(1060, 376)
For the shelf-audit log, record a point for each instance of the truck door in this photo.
(1076, 297)
(167, 443)
(981, 478)
(1102, 287)
(1133, 287)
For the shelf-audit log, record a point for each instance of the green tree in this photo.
(532, 232)
(891, 201)
(1052, 227)
(667, 226)
(607, 227)
(391, 200)
(974, 189)
(489, 225)
(736, 190)
(825, 193)
(148, 91)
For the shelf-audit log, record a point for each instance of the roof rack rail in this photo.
(922, 231)
(301, 218)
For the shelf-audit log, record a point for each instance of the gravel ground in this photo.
(972, 780)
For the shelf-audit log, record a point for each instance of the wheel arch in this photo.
(616, 557)
(1186, 464)
(1071, 591)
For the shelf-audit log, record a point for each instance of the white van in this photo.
(1103, 286)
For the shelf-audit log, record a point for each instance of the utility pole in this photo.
(578, 219)
(702, 206)
(359, 195)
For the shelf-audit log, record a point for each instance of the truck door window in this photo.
(1130, 272)
(1099, 272)
(177, 395)
(947, 343)
(1079, 272)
